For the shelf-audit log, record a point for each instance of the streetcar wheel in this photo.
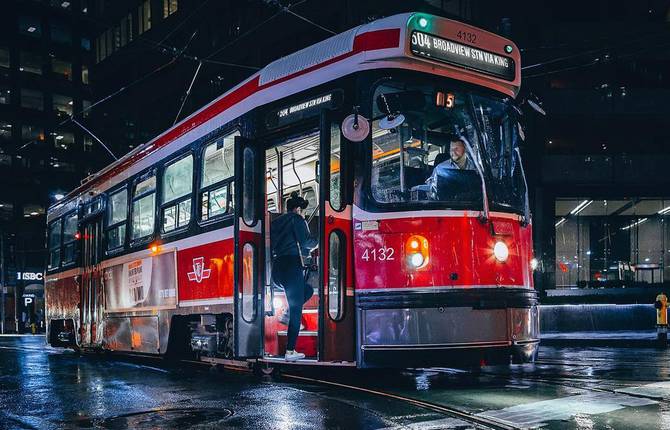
(265, 369)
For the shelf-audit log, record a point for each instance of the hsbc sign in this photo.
(29, 276)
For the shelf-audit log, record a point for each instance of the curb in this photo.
(606, 343)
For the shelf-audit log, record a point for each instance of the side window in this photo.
(54, 243)
(336, 275)
(216, 185)
(249, 188)
(69, 238)
(144, 206)
(116, 219)
(335, 177)
(176, 198)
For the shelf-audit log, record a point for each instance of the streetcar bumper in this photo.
(454, 327)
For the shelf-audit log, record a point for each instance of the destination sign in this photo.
(303, 109)
(468, 57)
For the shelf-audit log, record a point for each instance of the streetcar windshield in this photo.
(432, 143)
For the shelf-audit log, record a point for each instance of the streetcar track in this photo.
(443, 409)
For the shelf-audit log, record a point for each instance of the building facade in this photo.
(46, 51)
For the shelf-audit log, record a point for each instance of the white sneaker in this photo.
(293, 355)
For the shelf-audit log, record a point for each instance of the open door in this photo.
(249, 247)
(336, 311)
(91, 289)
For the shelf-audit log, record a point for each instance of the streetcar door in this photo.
(336, 310)
(249, 247)
(91, 288)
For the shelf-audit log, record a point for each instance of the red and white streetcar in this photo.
(166, 251)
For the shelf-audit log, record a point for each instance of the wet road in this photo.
(586, 388)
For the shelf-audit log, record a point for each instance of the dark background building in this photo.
(46, 51)
(600, 70)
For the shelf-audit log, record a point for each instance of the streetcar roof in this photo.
(378, 43)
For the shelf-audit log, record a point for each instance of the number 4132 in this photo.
(378, 254)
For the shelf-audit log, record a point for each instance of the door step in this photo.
(300, 333)
(308, 362)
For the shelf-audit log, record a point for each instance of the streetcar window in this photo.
(308, 194)
(249, 188)
(144, 204)
(116, 219)
(423, 151)
(216, 184)
(69, 238)
(219, 161)
(507, 183)
(215, 202)
(335, 168)
(428, 148)
(54, 243)
(177, 187)
(336, 259)
(249, 282)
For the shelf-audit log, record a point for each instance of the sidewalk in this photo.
(615, 339)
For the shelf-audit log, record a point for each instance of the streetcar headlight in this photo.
(423, 22)
(534, 263)
(416, 260)
(416, 251)
(500, 251)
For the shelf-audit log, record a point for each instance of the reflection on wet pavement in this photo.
(575, 388)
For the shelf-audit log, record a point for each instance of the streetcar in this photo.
(166, 251)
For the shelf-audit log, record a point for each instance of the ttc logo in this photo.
(199, 272)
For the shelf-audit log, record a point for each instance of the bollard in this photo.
(661, 306)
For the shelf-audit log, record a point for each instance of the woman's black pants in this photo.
(287, 272)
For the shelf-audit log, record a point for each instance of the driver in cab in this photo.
(457, 160)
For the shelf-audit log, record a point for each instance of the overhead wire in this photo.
(597, 61)
(595, 50)
(181, 53)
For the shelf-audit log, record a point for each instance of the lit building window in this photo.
(86, 43)
(64, 140)
(88, 144)
(5, 95)
(169, 7)
(62, 68)
(30, 26)
(62, 105)
(612, 243)
(6, 208)
(32, 210)
(84, 75)
(5, 131)
(31, 63)
(144, 16)
(31, 133)
(32, 99)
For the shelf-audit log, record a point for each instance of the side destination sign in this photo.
(303, 109)
(457, 54)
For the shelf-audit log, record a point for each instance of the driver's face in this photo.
(456, 150)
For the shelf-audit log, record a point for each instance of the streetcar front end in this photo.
(442, 226)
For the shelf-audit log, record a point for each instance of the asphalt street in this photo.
(580, 388)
